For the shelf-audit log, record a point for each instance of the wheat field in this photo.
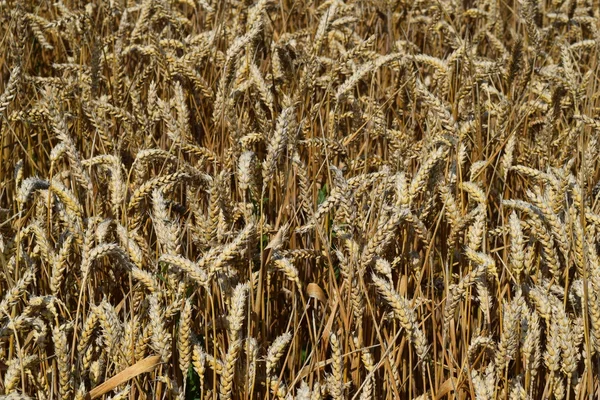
(294, 199)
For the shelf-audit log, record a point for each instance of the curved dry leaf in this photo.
(316, 292)
(145, 365)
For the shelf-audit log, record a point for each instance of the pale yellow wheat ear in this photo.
(484, 382)
(274, 353)
(160, 336)
(290, 271)
(28, 186)
(199, 362)
(251, 349)
(13, 373)
(335, 381)
(184, 343)
(112, 330)
(235, 319)
(509, 338)
(246, 172)
(167, 231)
(517, 246)
(363, 70)
(406, 316)
(278, 142)
(10, 90)
(59, 338)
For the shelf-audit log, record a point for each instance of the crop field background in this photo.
(296, 199)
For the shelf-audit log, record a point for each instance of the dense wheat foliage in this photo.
(296, 199)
